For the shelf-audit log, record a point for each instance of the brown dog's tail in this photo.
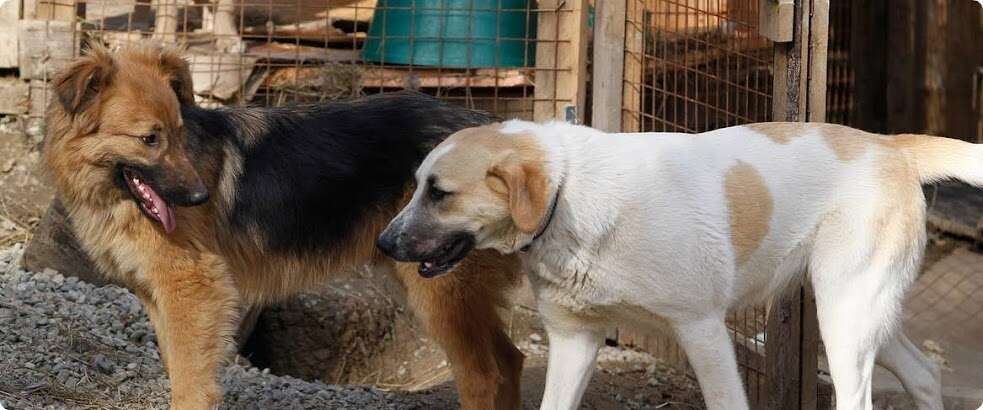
(938, 158)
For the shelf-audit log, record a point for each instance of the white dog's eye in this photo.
(436, 194)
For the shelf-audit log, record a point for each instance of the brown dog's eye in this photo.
(150, 139)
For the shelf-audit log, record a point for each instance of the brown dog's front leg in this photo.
(460, 313)
(197, 308)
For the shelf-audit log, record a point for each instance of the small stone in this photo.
(535, 337)
(102, 363)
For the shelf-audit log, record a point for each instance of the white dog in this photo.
(640, 228)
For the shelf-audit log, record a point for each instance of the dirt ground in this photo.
(24, 193)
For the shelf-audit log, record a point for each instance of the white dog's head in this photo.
(480, 188)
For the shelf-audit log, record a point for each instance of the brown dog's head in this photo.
(114, 132)
(480, 188)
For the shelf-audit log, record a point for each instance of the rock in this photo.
(55, 247)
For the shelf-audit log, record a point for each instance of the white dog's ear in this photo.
(526, 184)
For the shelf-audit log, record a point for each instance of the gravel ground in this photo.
(65, 343)
(69, 344)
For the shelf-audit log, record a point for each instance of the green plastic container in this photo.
(452, 33)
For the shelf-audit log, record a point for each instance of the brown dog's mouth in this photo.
(448, 257)
(151, 203)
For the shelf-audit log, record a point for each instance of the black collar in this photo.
(546, 225)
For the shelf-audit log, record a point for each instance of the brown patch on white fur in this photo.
(779, 132)
(750, 206)
(513, 171)
(195, 281)
(846, 143)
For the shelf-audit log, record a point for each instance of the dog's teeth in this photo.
(154, 210)
(146, 196)
(136, 181)
(428, 265)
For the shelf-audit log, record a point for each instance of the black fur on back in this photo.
(310, 173)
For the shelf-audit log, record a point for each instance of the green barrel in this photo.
(452, 33)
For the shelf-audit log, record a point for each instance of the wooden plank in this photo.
(818, 44)
(292, 53)
(933, 86)
(800, 95)
(902, 50)
(609, 63)
(788, 102)
(631, 99)
(45, 46)
(14, 96)
(868, 43)
(776, 20)
(810, 351)
(40, 94)
(782, 347)
(378, 77)
(314, 31)
(60, 10)
(9, 15)
(561, 60)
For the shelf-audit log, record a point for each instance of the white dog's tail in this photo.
(939, 158)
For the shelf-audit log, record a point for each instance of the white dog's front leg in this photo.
(571, 362)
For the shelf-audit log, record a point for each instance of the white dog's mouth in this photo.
(447, 257)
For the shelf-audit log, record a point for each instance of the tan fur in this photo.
(779, 132)
(195, 281)
(513, 173)
(750, 205)
(846, 143)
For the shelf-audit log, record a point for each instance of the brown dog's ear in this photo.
(177, 68)
(78, 85)
(528, 188)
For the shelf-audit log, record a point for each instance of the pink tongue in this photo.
(164, 211)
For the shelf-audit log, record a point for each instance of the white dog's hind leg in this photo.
(710, 352)
(571, 363)
(855, 311)
(921, 377)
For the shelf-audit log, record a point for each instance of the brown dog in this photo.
(204, 212)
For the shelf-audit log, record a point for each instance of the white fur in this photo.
(641, 235)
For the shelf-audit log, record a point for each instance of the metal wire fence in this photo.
(488, 55)
(694, 66)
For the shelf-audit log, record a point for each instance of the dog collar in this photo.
(549, 219)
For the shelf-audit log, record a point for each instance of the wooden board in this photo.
(378, 77)
(609, 64)
(61, 10)
(633, 67)
(311, 31)
(361, 11)
(14, 96)
(9, 15)
(44, 47)
(280, 52)
(561, 60)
